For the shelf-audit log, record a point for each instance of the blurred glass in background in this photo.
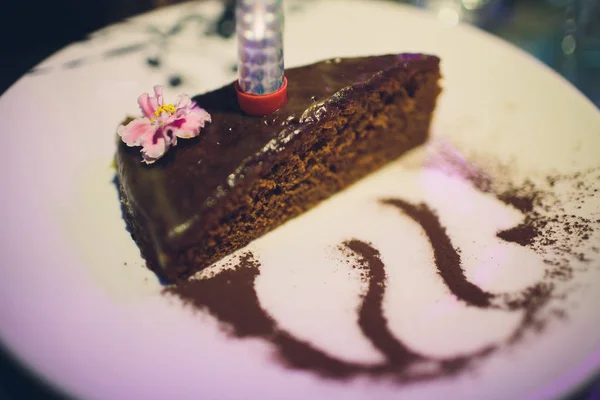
(564, 34)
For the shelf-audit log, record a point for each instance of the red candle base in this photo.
(261, 105)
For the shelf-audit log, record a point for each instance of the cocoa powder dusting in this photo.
(523, 234)
(531, 300)
(230, 297)
(550, 227)
(371, 319)
(447, 258)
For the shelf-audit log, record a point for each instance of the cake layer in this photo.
(244, 176)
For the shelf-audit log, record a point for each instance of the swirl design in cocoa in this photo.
(230, 295)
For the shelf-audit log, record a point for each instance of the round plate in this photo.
(78, 307)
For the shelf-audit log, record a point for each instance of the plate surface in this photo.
(459, 304)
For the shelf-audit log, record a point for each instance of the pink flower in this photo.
(161, 124)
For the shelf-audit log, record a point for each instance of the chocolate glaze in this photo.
(174, 199)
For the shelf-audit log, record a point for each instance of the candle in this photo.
(261, 82)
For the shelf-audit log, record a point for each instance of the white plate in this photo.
(97, 328)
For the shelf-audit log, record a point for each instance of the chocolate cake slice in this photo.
(244, 176)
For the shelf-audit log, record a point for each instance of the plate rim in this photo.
(590, 368)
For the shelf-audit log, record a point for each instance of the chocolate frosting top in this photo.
(175, 194)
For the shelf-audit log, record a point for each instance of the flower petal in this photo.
(190, 125)
(158, 92)
(154, 147)
(134, 132)
(148, 105)
(184, 102)
(157, 133)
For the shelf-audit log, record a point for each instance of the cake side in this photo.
(332, 144)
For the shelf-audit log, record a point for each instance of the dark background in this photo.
(32, 30)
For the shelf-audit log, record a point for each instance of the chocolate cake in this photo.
(244, 176)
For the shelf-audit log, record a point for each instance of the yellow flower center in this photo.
(168, 108)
